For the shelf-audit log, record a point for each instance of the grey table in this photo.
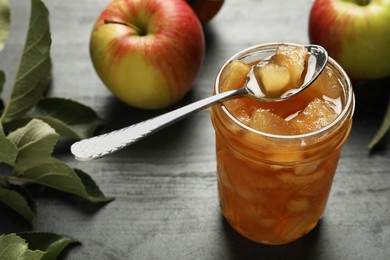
(166, 203)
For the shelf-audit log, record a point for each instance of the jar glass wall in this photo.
(273, 188)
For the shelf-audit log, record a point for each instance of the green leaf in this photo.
(8, 150)
(15, 247)
(91, 188)
(34, 70)
(4, 22)
(383, 129)
(69, 118)
(35, 142)
(52, 244)
(34, 163)
(57, 175)
(20, 201)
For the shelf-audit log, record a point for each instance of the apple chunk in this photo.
(315, 116)
(273, 79)
(265, 121)
(234, 77)
(294, 58)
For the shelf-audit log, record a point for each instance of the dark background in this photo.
(166, 203)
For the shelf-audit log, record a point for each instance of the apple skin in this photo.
(205, 9)
(148, 52)
(356, 36)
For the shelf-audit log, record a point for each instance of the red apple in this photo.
(148, 52)
(205, 9)
(356, 33)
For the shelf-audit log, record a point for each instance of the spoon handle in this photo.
(101, 145)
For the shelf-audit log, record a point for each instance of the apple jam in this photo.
(276, 161)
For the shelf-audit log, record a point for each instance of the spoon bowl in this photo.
(316, 62)
(99, 146)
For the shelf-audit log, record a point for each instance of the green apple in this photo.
(148, 52)
(356, 33)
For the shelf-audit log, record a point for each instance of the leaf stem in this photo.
(383, 130)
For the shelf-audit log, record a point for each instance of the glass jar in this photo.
(273, 188)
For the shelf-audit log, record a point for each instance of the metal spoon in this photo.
(98, 146)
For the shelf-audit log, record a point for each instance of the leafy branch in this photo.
(30, 126)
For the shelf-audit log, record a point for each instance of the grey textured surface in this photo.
(166, 203)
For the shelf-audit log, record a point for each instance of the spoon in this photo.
(101, 145)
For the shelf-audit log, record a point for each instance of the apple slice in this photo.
(273, 79)
(234, 76)
(315, 116)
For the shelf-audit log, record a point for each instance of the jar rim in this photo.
(347, 88)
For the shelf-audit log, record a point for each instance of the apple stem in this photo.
(135, 28)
